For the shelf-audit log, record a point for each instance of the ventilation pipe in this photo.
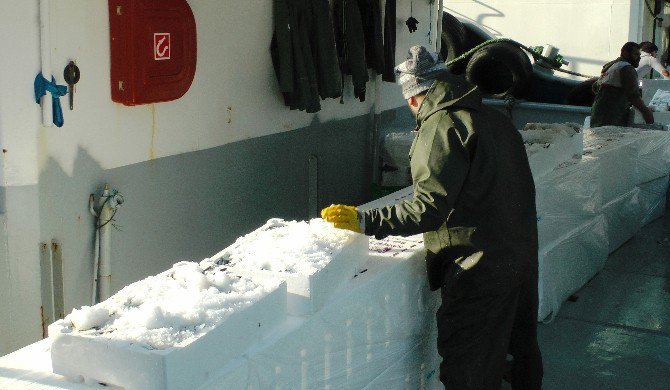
(108, 204)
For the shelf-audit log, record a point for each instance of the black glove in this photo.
(411, 24)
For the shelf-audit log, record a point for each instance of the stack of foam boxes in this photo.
(588, 207)
(633, 176)
(570, 232)
(132, 365)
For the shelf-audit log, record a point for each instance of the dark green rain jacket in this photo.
(473, 193)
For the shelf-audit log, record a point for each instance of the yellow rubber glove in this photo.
(342, 217)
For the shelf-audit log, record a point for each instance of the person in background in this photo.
(648, 61)
(617, 89)
(474, 200)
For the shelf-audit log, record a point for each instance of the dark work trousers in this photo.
(476, 333)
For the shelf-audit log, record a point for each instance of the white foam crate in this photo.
(306, 294)
(136, 367)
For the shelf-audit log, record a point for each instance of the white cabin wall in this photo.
(588, 33)
(191, 168)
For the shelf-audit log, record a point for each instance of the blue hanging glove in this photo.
(41, 88)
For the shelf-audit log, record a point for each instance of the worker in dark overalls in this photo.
(474, 200)
(617, 89)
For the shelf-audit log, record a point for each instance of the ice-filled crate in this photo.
(313, 257)
(169, 331)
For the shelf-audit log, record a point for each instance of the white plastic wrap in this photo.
(653, 150)
(653, 198)
(616, 148)
(566, 198)
(566, 265)
(623, 216)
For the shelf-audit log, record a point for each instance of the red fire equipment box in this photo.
(153, 50)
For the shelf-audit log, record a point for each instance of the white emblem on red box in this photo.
(161, 46)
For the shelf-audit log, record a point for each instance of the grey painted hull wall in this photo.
(184, 207)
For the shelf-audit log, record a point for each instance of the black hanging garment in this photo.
(303, 53)
(349, 39)
(371, 15)
(324, 52)
(388, 73)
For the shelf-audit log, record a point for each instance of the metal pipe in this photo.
(96, 251)
(105, 233)
(374, 148)
(45, 57)
(541, 106)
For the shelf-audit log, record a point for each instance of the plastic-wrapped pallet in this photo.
(548, 145)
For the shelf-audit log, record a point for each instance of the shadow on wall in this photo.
(65, 218)
(190, 206)
(480, 20)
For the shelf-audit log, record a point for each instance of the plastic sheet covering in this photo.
(378, 332)
(566, 198)
(568, 264)
(616, 148)
(653, 160)
(653, 198)
(571, 231)
(623, 216)
(626, 214)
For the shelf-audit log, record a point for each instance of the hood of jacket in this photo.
(449, 91)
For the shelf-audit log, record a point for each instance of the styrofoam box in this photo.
(306, 294)
(136, 367)
(561, 150)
